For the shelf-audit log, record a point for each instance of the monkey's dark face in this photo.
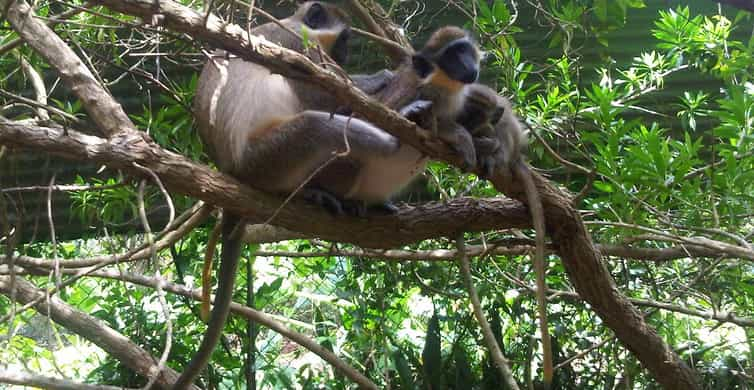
(460, 60)
(456, 62)
(329, 26)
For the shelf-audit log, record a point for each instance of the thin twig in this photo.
(497, 355)
(164, 191)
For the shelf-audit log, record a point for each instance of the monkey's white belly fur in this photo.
(257, 87)
(382, 177)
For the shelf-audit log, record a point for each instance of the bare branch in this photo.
(410, 224)
(39, 87)
(91, 329)
(106, 113)
(489, 338)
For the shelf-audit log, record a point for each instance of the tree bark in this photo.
(409, 225)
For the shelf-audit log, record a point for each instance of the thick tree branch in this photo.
(411, 224)
(92, 329)
(105, 112)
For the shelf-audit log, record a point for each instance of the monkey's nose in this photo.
(470, 76)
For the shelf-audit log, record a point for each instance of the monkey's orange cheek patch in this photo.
(326, 40)
(441, 79)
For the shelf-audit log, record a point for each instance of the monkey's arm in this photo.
(452, 133)
(372, 83)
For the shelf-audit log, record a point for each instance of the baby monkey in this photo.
(440, 89)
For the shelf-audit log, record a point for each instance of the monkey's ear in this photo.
(316, 16)
(422, 66)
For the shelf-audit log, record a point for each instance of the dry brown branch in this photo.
(410, 224)
(396, 50)
(40, 91)
(90, 328)
(23, 378)
(381, 20)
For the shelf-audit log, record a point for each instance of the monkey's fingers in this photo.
(323, 198)
(387, 208)
(354, 208)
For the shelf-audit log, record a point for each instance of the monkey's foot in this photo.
(323, 198)
(387, 208)
(354, 208)
(486, 165)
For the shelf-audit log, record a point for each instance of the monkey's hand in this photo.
(488, 155)
(372, 83)
(461, 143)
(419, 112)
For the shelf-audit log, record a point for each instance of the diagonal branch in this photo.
(411, 224)
(94, 330)
(105, 112)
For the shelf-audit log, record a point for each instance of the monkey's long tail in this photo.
(225, 281)
(537, 215)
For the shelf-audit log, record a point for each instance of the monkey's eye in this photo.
(316, 16)
(422, 66)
